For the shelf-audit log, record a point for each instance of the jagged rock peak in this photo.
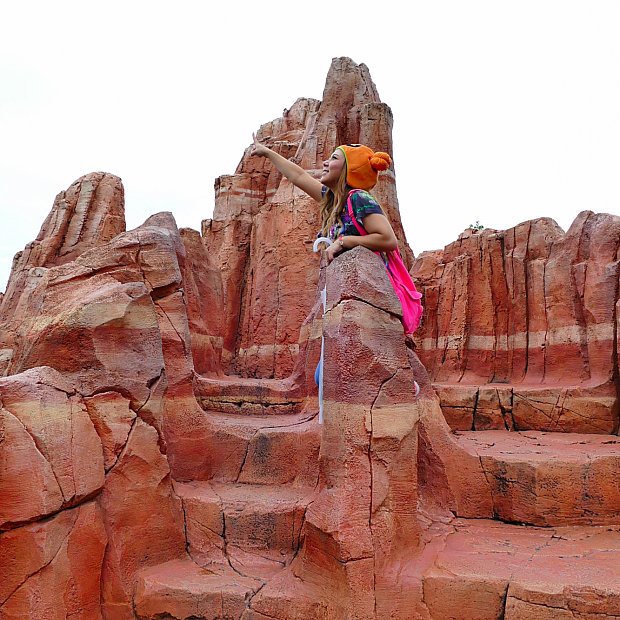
(256, 209)
(347, 77)
(88, 214)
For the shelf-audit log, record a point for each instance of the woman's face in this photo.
(332, 168)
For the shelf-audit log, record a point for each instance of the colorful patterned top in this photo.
(363, 204)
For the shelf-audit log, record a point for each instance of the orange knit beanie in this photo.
(363, 165)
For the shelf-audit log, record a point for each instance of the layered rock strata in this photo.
(349, 514)
(520, 330)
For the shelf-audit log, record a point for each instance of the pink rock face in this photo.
(144, 515)
(367, 459)
(493, 570)
(546, 479)
(86, 340)
(179, 588)
(102, 322)
(112, 418)
(530, 310)
(87, 215)
(203, 295)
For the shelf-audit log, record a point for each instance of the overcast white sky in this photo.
(503, 111)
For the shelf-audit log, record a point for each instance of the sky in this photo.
(503, 111)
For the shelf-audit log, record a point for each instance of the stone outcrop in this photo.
(82, 409)
(88, 214)
(161, 454)
(361, 522)
(52, 455)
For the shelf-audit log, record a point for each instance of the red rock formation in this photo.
(362, 520)
(52, 455)
(139, 478)
(263, 227)
(520, 326)
(88, 214)
(143, 516)
(93, 424)
(202, 288)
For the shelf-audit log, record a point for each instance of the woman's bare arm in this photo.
(380, 237)
(294, 173)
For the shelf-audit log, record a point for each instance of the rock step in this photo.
(272, 449)
(488, 570)
(502, 406)
(181, 589)
(244, 405)
(248, 396)
(548, 479)
(253, 528)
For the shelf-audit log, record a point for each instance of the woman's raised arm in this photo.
(294, 173)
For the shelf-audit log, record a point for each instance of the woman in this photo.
(350, 167)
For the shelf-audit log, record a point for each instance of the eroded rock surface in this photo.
(53, 568)
(51, 454)
(361, 521)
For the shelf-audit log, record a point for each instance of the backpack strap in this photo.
(360, 229)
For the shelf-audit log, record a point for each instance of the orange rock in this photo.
(450, 476)
(158, 355)
(87, 215)
(548, 478)
(202, 285)
(182, 589)
(491, 569)
(112, 418)
(458, 404)
(361, 521)
(28, 486)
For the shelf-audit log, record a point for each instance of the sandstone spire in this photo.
(263, 227)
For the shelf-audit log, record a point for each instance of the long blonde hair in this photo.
(332, 203)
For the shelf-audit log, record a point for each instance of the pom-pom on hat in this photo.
(363, 165)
